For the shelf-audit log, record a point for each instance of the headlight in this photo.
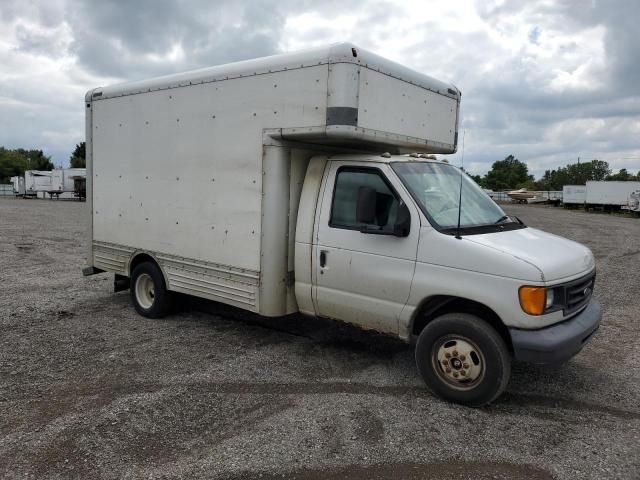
(550, 298)
(538, 300)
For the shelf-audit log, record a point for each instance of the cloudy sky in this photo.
(547, 81)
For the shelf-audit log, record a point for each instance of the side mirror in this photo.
(366, 206)
(403, 221)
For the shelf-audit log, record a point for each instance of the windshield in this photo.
(436, 187)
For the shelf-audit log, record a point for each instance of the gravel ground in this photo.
(89, 389)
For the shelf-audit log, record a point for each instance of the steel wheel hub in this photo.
(145, 293)
(459, 362)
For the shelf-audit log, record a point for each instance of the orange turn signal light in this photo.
(532, 299)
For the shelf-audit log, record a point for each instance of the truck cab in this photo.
(413, 247)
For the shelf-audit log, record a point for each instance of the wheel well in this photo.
(138, 259)
(440, 304)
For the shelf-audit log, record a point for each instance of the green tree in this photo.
(507, 174)
(11, 164)
(574, 174)
(36, 159)
(599, 169)
(78, 157)
(15, 161)
(622, 175)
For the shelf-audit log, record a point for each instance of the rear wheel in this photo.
(148, 291)
(463, 359)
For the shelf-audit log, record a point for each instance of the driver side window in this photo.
(348, 183)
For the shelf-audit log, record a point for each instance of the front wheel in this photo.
(463, 359)
(148, 291)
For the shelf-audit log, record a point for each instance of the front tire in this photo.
(149, 293)
(463, 359)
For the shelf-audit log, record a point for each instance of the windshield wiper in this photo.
(502, 219)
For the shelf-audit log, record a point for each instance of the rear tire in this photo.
(149, 293)
(463, 359)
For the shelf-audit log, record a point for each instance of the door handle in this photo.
(323, 258)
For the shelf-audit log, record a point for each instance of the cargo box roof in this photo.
(338, 53)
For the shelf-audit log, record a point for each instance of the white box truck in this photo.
(282, 185)
(614, 193)
(574, 194)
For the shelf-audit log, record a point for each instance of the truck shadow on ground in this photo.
(321, 331)
(349, 339)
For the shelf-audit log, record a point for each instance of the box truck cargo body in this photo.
(615, 193)
(574, 194)
(213, 140)
(284, 185)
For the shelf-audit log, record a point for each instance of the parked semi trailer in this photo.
(574, 195)
(64, 180)
(36, 181)
(610, 194)
(282, 185)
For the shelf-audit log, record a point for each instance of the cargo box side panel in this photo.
(388, 104)
(610, 193)
(178, 172)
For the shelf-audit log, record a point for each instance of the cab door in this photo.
(363, 268)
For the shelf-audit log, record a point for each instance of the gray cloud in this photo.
(131, 40)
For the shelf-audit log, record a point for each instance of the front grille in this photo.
(578, 293)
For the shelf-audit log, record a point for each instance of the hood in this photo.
(556, 257)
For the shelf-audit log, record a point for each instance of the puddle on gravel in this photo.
(429, 471)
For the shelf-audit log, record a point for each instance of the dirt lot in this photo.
(88, 389)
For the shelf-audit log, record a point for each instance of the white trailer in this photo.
(634, 202)
(62, 179)
(270, 185)
(37, 181)
(65, 180)
(574, 194)
(614, 193)
(18, 185)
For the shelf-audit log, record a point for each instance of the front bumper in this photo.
(556, 343)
